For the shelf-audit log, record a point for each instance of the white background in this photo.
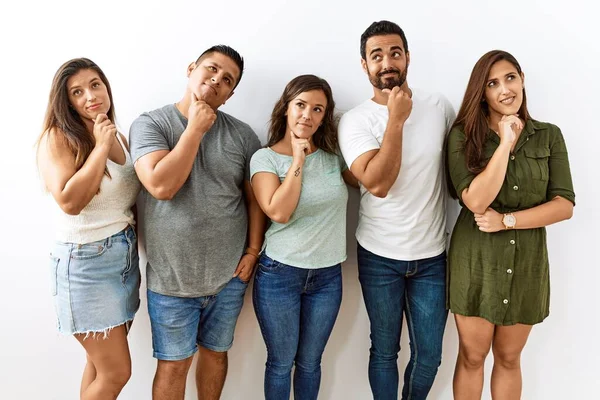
(144, 48)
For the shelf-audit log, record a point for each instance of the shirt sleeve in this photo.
(252, 146)
(355, 137)
(559, 182)
(146, 136)
(460, 175)
(449, 114)
(262, 162)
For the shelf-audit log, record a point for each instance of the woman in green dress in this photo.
(512, 178)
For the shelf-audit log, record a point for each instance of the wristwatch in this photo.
(509, 221)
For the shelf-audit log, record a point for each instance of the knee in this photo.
(471, 358)
(507, 360)
(308, 366)
(173, 370)
(117, 376)
(213, 357)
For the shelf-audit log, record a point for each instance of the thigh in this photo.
(475, 335)
(219, 316)
(109, 353)
(425, 303)
(509, 341)
(320, 308)
(277, 296)
(383, 285)
(174, 322)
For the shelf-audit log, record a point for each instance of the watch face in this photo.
(509, 220)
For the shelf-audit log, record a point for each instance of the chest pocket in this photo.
(537, 161)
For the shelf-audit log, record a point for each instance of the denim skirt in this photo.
(95, 286)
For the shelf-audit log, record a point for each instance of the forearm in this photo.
(486, 186)
(171, 172)
(285, 198)
(556, 210)
(256, 224)
(382, 170)
(81, 188)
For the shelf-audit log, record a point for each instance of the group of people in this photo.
(217, 208)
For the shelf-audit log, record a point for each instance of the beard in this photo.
(389, 82)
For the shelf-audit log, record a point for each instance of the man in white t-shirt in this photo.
(393, 144)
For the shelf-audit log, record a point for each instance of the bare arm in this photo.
(378, 169)
(256, 219)
(278, 200)
(556, 210)
(73, 189)
(485, 187)
(350, 179)
(164, 172)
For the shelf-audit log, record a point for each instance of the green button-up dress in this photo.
(504, 276)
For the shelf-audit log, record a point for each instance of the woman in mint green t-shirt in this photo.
(298, 180)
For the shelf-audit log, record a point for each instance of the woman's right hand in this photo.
(508, 127)
(104, 130)
(300, 148)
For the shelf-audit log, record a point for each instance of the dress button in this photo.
(515, 187)
(509, 271)
(512, 157)
(505, 301)
(512, 241)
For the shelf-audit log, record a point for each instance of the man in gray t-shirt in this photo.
(203, 228)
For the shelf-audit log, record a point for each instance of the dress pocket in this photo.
(54, 261)
(537, 160)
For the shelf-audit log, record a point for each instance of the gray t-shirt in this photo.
(315, 235)
(195, 241)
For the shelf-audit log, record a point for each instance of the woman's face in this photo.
(504, 89)
(305, 113)
(88, 94)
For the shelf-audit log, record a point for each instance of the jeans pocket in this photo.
(54, 261)
(89, 250)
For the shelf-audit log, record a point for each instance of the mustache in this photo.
(387, 71)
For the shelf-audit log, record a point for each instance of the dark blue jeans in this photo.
(417, 289)
(296, 310)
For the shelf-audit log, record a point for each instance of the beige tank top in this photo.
(109, 212)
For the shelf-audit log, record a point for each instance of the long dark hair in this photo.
(63, 120)
(474, 110)
(326, 135)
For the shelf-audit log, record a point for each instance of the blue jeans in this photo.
(296, 309)
(391, 288)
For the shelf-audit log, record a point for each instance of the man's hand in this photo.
(245, 267)
(399, 104)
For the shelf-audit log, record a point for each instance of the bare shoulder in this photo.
(54, 147)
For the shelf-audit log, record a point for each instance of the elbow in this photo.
(162, 193)
(280, 218)
(569, 212)
(377, 190)
(71, 208)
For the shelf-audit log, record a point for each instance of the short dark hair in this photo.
(379, 28)
(229, 52)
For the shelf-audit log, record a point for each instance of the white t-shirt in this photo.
(409, 223)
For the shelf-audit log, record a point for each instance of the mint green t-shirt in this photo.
(315, 235)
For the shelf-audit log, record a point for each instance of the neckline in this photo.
(285, 155)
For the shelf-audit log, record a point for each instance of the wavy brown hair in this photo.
(326, 135)
(474, 111)
(63, 121)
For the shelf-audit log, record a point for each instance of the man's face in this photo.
(213, 78)
(386, 61)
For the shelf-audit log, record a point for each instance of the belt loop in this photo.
(109, 241)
